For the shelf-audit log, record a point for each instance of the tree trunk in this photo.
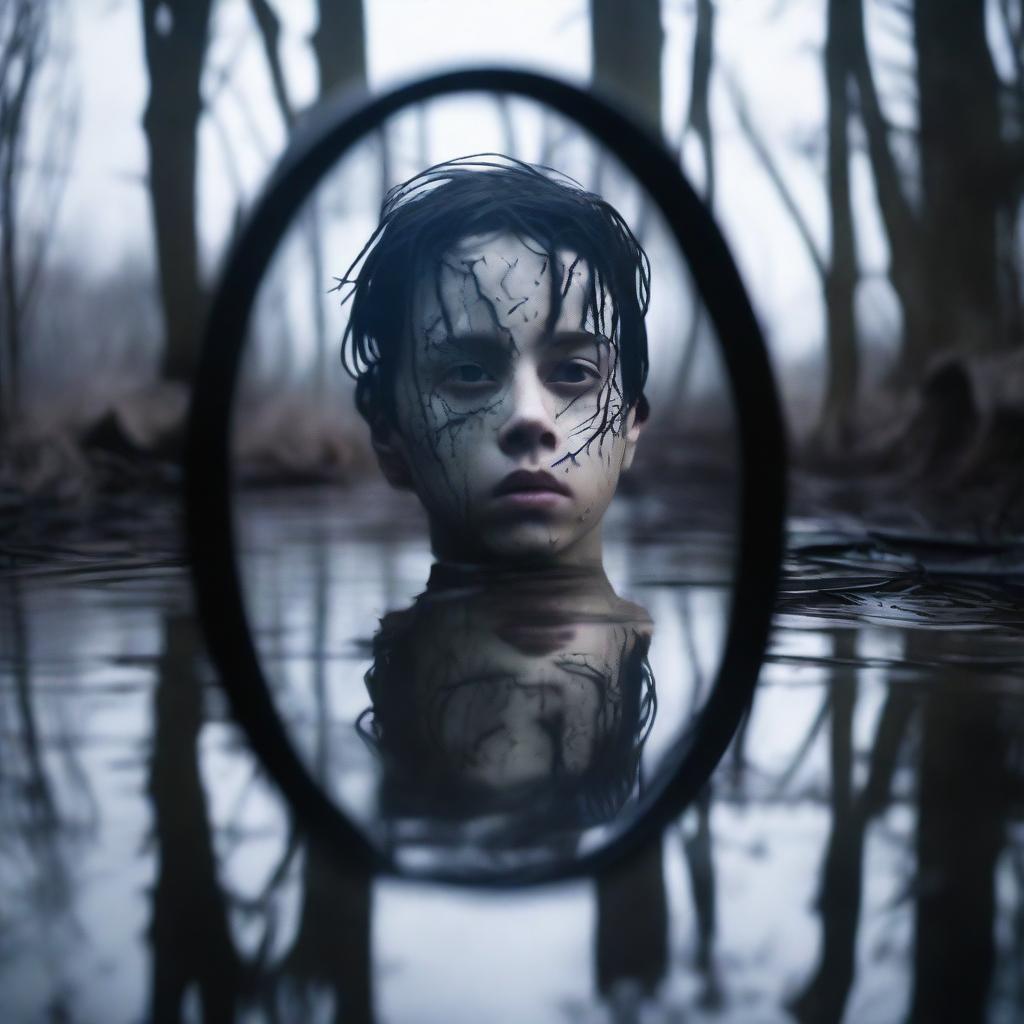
(20, 54)
(901, 224)
(189, 931)
(626, 42)
(825, 996)
(339, 45)
(841, 276)
(960, 834)
(698, 116)
(962, 158)
(333, 949)
(175, 36)
(632, 922)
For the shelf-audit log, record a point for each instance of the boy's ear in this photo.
(636, 420)
(391, 457)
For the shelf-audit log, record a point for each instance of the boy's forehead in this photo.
(499, 281)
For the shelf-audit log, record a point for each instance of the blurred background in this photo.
(863, 158)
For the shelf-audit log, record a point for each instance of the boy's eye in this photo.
(467, 375)
(575, 372)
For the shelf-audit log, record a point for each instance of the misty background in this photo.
(863, 159)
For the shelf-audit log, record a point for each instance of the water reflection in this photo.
(509, 712)
(192, 945)
(858, 856)
(504, 720)
(197, 967)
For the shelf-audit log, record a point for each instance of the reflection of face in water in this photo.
(524, 695)
(509, 403)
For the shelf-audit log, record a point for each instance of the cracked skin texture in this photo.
(510, 363)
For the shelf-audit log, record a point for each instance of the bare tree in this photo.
(900, 221)
(339, 45)
(962, 174)
(175, 34)
(626, 41)
(698, 117)
(22, 36)
(945, 255)
(698, 121)
(836, 270)
(835, 429)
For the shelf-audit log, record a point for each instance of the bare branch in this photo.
(761, 151)
(19, 62)
(900, 223)
(269, 26)
(698, 118)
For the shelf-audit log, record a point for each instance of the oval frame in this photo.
(322, 140)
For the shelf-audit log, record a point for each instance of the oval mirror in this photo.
(485, 481)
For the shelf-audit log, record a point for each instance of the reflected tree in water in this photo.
(699, 852)
(839, 901)
(48, 811)
(631, 944)
(331, 949)
(964, 793)
(191, 940)
(330, 955)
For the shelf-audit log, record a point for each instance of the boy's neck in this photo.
(585, 555)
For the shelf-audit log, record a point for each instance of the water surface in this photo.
(858, 855)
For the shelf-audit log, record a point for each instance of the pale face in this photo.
(489, 387)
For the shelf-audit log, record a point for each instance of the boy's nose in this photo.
(530, 426)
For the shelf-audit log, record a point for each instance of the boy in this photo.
(498, 343)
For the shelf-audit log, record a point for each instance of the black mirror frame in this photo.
(327, 134)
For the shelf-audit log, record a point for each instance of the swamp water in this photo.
(858, 854)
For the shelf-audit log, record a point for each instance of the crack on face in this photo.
(468, 272)
(468, 291)
(510, 267)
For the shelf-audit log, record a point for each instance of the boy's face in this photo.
(511, 426)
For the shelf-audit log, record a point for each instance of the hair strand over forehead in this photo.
(423, 218)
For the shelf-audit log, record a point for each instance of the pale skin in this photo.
(490, 383)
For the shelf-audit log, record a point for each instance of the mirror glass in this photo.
(486, 478)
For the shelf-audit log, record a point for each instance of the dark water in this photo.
(859, 854)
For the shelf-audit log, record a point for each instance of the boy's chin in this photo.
(530, 544)
(522, 543)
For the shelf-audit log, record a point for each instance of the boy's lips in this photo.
(535, 486)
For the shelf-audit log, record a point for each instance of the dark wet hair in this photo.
(421, 781)
(424, 217)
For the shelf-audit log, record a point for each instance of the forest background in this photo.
(865, 159)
